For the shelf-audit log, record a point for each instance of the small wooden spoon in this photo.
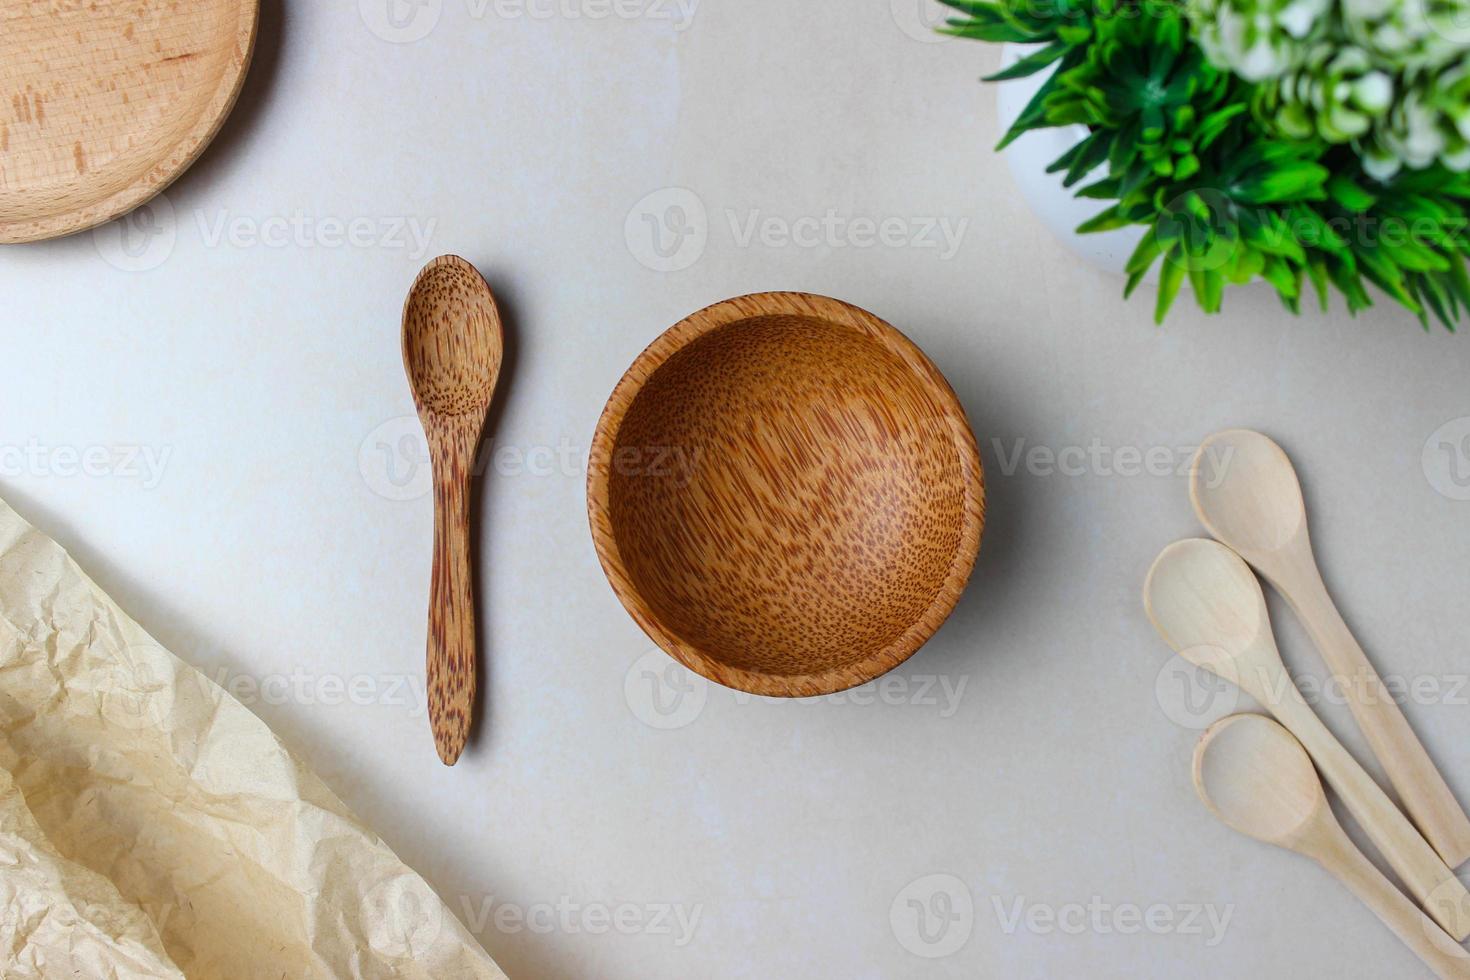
(1208, 606)
(1255, 777)
(1247, 494)
(452, 346)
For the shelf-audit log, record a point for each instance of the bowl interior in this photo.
(788, 496)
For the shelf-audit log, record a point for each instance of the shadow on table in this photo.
(481, 530)
(967, 643)
(255, 96)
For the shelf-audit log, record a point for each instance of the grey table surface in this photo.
(205, 403)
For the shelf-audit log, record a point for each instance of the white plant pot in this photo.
(1028, 158)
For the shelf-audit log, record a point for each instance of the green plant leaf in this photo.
(1435, 298)
(1095, 151)
(997, 33)
(1457, 281)
(1285, 277)
(1349, 194)
(1031, 117)
(1171, 277)
(1109, 220)
(975, 8)
(1300, 180)
(1349, 282)
(1064, 162)
(1265, 229)
(1106, 189)
(1381, 272)
(1142, 259)
(1317, 272)
(1311, 231)
(1031, 64)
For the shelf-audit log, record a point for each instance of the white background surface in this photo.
(267, 553)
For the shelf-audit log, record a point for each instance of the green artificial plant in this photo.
(1319, 145)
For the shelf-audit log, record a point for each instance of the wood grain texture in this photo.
(104, 102)
(1207, 605)
(786, 495)
(452, 351)
(1259, 781)
(1247, 494)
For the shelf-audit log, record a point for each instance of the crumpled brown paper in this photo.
(151, 826)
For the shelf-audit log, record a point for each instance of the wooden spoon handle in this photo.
(1425, 875)
(1421, 787)
(1439, 952)
(452, 650)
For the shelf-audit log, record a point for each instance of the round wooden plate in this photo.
(106, 102)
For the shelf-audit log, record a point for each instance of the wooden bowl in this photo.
(785, 494)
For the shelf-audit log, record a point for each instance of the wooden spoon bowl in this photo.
(1258, 780)
(785, 494)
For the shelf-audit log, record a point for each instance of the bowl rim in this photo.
(604, 440)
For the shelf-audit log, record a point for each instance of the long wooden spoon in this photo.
(452, 346)
(1208, 606)
(1255, 777)
(1248, 496)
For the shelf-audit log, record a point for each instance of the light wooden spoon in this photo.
(1208, 606)
(1248, 496)
(452, 346)
(1255, 777)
